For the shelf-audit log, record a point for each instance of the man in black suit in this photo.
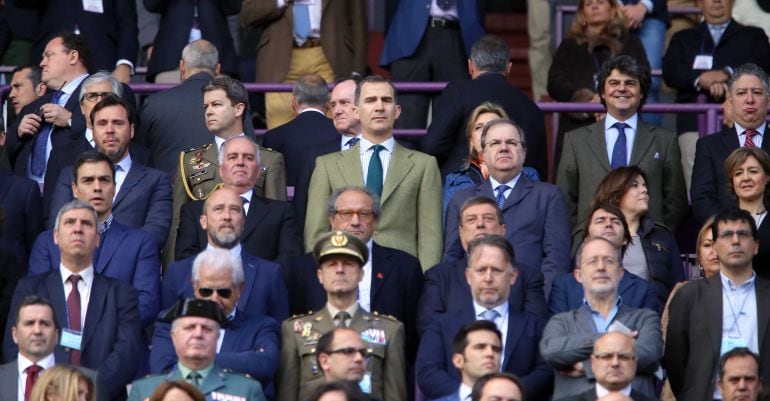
(489, 67)
(107, 338)
(143, 194)
(711, 316)
(270, 230)
(310, 127)
(392, 278)
(747, 95)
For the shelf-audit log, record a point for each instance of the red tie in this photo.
(32, 372)
(750, 133)
(73, 314)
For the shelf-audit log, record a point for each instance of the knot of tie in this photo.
(352, 142)
(34, 369)
(194, 378)
(73, 279)
(32, 374)
(500, 198)
(490, 315)
(342, 318)
(750, 134)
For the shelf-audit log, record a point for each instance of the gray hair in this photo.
(74, 205)
(749, 69)
(332, 205)
(311, 90)
(218, 260)
(201, 54)
(499, 121)
(101, 76)
(221, 157)
(490, 53)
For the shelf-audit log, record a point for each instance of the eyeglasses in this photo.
(365, 215)
(622, 357)
(225, 293)
(349, 351)
(742, 234)
(95, 96)
(511, 143)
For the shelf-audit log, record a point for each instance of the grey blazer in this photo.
(569, 338)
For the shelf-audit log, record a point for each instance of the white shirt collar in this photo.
(502, 309)
(632, 122)
(311, 109)
(221, 141)
(90, 137)
(248, 194)
(45, 363)
(465, 392)
(601, 391)
(760, 130)
(389, 144)
(70, 87)
(87, 274)
(235, 251)
(126, 163)
(511, 184)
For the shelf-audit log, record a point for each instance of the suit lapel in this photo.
(642, 143)
(763, 309)
(250, 277)
(515, 328)
(55, 289)
(713, 306)
(94, 310)
(349, 165)
(213, 381)
(379, 265)
(518, 192)
(107, 249)
(598, 144)
(257, 213)
(730, 140)
(135, 174)
(229, 340)
(400, 166)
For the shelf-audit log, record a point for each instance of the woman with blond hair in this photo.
(63, 383)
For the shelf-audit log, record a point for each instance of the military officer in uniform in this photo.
(195, 328)
(225, 101)
(340, 257)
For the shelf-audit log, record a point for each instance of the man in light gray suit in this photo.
(623, 139)
(568, 338)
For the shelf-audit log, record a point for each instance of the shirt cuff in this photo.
(126, 62)
(647, 4)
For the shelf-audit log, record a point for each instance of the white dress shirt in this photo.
(757, 138)
(23, 363)
(611, 135)
(365, 285)
(84, 288)
(365, 152)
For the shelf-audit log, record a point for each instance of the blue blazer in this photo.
(124, 253)
(264, 291)
(251, 345)
(411, 20)
(144, 200)
(23, 206)
(567, 293)
(112, 338)
(447, 291)
(437, 376)
(536, 225)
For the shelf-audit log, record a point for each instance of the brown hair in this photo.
(615, 28)
(701, 236)
(486, 107)
(738, 157)
(162, 389)
(615, 184)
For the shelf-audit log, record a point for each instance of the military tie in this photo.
(341, 319)
(194, 378)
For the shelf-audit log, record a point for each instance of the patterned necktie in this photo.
(490, 315)
(342, 318)
(619, 156)
(38, 159)
(352, 142)
(750, 134)
(73, 314)
(32, 373)
(374, 175)
(500, 198)
(301, 22)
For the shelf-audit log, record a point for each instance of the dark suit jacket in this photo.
(446, 290)
(396, 284)
(590, 395)
(23, 211)
(446, 137)
(292, 139)
(112, 340)
(144, 200)
(567, 294)
(738, 45)
(437, 377)
(264, 292)
(270, 231)
(302, 185)
(111, 35)
(411, 20)
(694, 336)
(344, 35)
(251, 346)
(584, 163)
(709, 187)
(535, 224)
(174, 32)
(124, 253)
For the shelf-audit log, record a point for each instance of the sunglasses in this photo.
(350, 351)
(225, 293)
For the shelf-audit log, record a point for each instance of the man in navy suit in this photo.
(392, 278)
(23, 210)
(143, 194)
(270, 230)
(98, 315)
(489, 67)
(446, 288)
(127, 254)
(251, 341)
(535, 213)
(222, 221)
(309, 128)
(491, 272)
(605, 221)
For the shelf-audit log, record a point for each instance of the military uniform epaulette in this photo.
(297, 316)
(389, 317)
(199, 169)
(234, 373)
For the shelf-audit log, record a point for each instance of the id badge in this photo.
(703, 62)
(366, 383)
(71, 339)
(732, 343)
(94, 6)
(195, 34)
(304, 2)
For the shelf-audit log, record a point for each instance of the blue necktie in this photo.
(500, 198)
(301, 22)
(39, 159)
(374, 175)
(490, 314)
(619, 150)
(352, 142)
